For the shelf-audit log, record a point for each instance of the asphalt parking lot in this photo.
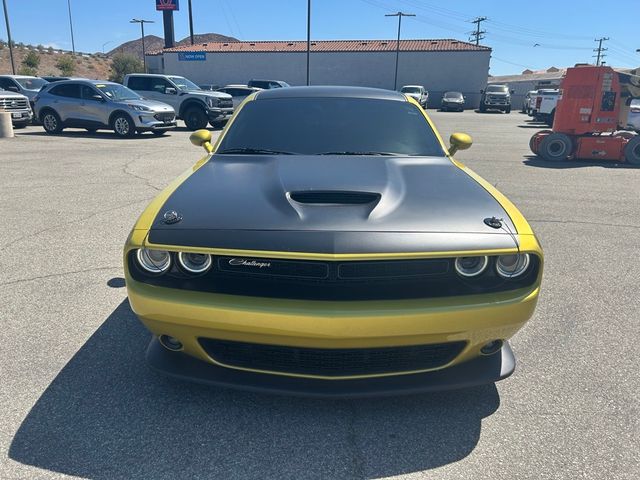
(77, 398)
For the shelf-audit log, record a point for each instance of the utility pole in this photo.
(308, 39)
(478, 34)
(600, 50)
(191, 23)
(399, 15)
(73, 44)
(142, 22)
(6, 19)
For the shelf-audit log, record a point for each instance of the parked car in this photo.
(453, 101)
(26, 85)
(195, 106)
(95, 105)
(18, 106)
(329, 245)
(238, 92)
(417, 92)
(496, 97)
(267, 84)
(633, 120)
(52, 79)
(526, 102)
(544, 109)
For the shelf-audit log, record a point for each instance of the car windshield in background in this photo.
(410, 90)
(496, 89)
(32, 83)
(331, 126)
(453, 95)
(184, 84)
(117, 92)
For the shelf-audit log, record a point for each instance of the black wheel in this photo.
(91, 130)
(123, 125)
(158, 133)
(19, 125)
(632, 151)
(483, 109)
(51, 122)
(507, 110)
(195, 118)
(556, 147)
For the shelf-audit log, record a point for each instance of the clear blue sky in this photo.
(564, 29)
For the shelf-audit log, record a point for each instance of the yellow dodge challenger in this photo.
(329, 244)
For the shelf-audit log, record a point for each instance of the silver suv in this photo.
(94, 104)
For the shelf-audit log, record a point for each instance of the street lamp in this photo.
(399, 15)
(6, 19)
(73, 44)
(142, 22)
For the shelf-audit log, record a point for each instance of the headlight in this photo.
(154, 261)
(141, 108)
(509, 266)
(212, 102)
(195, 262)
(471, 266)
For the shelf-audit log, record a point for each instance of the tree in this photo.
(67, 65)
(123, 64)
(31, 60)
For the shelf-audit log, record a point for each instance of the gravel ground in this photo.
(78, 400)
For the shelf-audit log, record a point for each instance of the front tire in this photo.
(51, 122)
(123, 126)
(195, 118)
(556, 147)
(507, 110)
(632, 151)
(483, 109)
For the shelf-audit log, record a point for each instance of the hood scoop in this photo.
(334, 197)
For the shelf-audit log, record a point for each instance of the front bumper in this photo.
(479, 371)
(219, 114)
(21, 117)
(147, 121)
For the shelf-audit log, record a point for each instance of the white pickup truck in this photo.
(544, 105)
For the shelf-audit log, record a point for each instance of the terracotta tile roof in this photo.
(425, 45)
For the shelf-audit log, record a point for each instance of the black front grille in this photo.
(164, 117)
(336, 280)
(225, 103)
(331, 362)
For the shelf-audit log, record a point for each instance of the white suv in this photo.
(418, 93)
(195, 106)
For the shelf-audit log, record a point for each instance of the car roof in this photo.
(19, 76)
(331, 92)
(453, 91)
(412, 86)
(85, 81)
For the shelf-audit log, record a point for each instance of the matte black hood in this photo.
(410, 204)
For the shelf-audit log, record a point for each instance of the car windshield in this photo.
(184, 83)
(453, 95)
(410, 89)
(117, 92)
(32, 83)
(330, 126)
(497, 89)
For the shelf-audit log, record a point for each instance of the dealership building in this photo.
(439, 65)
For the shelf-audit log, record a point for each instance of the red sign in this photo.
(167, 5)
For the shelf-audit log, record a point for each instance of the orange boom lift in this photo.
(593, 105)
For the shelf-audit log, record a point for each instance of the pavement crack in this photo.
(352, 442)
(127, 171)
(61, 274)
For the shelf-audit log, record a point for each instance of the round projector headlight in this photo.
(195, 262)
(509, 266)
(471, 266)
(154, 261)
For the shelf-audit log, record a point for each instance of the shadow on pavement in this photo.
(107, 416)
(535, 161)
(100, 134)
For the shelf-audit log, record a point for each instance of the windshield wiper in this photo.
(251, 151)
(358, 153)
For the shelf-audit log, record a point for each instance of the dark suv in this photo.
(267, 84)
(496, 97)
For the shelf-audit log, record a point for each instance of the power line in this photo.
(478, 34)
(600, 50)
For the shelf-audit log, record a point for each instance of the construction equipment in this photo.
(592, 110)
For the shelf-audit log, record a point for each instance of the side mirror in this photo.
(459, 141)
(202, 138)
(97, 98)
(170, 91)
(512, 91)
(482, 91)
